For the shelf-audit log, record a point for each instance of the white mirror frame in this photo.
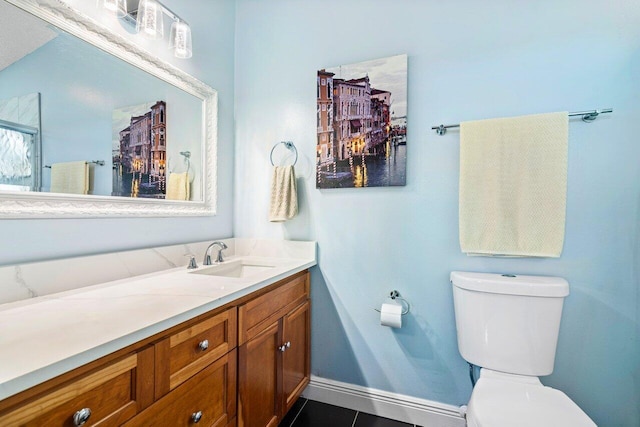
(47, 205)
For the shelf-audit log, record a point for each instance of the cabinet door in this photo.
(296, 358)
(207, 399)
(108, 396)
(258, 379)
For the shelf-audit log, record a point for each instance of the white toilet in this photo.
(508, 325)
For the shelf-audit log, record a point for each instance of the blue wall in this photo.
(467, 60)
(212, 24)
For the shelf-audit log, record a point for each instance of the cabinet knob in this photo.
(196, 417)
(203, 345)
(81, 417)
(284, 346)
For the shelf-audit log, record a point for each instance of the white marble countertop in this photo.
(44, 337)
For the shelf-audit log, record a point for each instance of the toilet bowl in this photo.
(508, 325)
(508, 400)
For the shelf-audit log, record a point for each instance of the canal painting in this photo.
(362, 124)
(139, 150)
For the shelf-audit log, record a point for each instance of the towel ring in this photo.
(187, 157)
(289, 145)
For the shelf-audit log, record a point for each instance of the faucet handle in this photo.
(192, 262)
(219, 258)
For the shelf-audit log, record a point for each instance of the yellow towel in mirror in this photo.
(178, 186)
(70, 177)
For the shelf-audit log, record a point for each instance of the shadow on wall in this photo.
(419, 343)
(298, 228)
(340, 351)
(610, 363)
(332, 348)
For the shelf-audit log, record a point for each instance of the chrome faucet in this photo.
(207, 257)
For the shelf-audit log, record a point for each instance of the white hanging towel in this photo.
(284, 197)
(178, 187)
(70, 177)
(513, 185)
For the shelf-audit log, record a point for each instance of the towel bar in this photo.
(587, 116)
(95, 162)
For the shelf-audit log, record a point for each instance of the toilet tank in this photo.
(508, 323)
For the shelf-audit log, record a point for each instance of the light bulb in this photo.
(150, 22)
(118, 7)
(181, 40)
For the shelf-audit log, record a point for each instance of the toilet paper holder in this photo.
(395, 295)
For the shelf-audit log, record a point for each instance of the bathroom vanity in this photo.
(147, 350)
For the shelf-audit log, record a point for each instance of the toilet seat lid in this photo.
(506, 403)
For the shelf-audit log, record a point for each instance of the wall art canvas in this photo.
(139, 150)
(362, 124)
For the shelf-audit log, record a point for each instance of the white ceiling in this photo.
(20, 34)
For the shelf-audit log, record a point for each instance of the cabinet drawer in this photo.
(211, 394)
(185, 353)
(113, 394)
(259, 313)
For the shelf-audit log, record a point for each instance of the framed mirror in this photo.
(92, 125)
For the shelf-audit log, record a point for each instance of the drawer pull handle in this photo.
(203, 345)
(196, 417)
(81, 417)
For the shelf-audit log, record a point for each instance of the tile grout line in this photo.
(298, 414)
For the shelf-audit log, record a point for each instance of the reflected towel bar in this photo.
(95, 162)
(587, 116)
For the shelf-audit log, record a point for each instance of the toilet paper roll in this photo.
(391, 315)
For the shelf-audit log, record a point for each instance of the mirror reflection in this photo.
(76, 120)
(20, 143)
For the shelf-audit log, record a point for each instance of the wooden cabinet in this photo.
(296, 334)
(109, 396)
(274, 355)
(259, 380)
(207, 399)
(193, 373)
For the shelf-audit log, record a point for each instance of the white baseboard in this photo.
(422, 412)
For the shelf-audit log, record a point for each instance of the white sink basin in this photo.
(234, 269)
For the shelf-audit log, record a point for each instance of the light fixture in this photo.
(147, 17)
(118, 7)
(180, 40)
(150, 19)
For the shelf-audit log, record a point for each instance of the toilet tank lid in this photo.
(510, 284)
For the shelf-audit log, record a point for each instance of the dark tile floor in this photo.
(309, 413)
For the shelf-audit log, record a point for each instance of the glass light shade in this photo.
(150, 22)
(118, 7)
(180, 40)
